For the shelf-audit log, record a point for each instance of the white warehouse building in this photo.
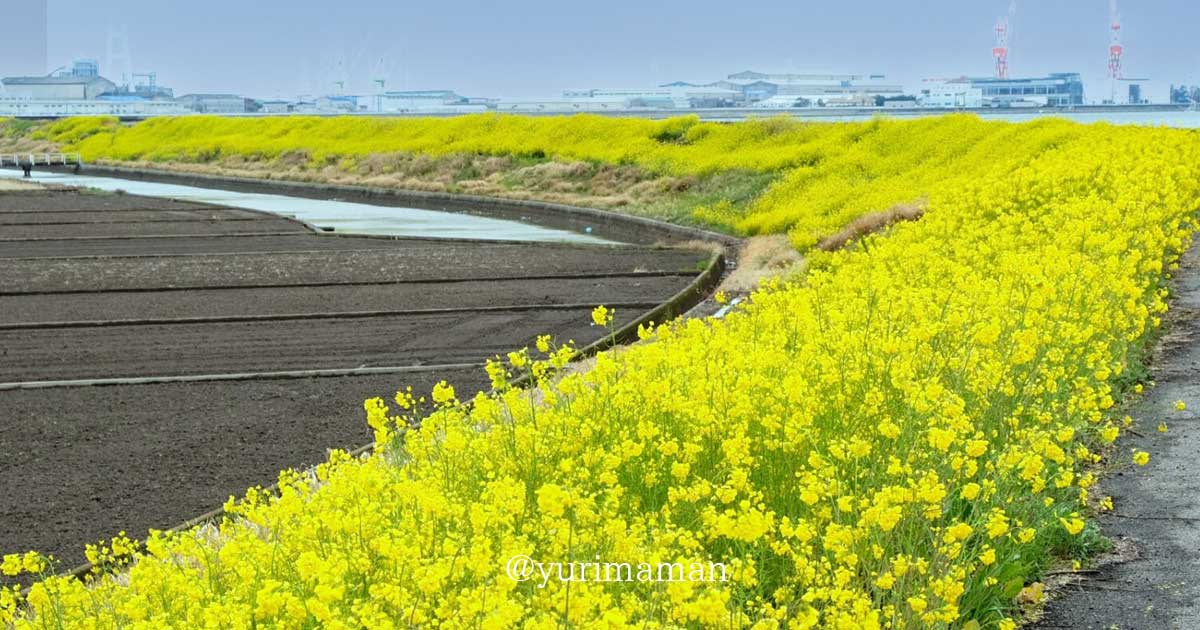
(951, 95)
(672, 96)
(134, 108)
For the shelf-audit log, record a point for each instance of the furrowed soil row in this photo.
(169, 346)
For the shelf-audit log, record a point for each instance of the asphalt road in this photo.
(1154, 584)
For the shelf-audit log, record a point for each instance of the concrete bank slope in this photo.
(158, 356)
(1156, 516)
(605, 224)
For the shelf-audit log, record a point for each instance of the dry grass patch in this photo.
(872, 223)
(762, 257)
(16, 184)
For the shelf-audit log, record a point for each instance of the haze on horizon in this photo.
(537, 48)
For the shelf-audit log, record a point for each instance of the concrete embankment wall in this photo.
(604, 224)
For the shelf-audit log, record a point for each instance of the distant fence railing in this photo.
(40, 159)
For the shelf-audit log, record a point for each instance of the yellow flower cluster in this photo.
(900, 439)
(826, 175)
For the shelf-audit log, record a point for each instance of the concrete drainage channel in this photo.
(165, 372)
(600, 224)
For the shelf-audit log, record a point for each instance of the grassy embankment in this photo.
(527, 176)
(806, 180)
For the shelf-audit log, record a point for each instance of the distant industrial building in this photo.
(955, 94)
(558, 106)
(338, 104)
(433, 101)
(752, 89)
(821, 90)
(905, 101)
(82, 91)
(23, 32)
(149, 88)
(1135, 95)
(275, 107)
(216, 103)
(81, 83)
(670, 96)
(1184, 94)
(1062, 89)
(1133, 91)
(102, 107)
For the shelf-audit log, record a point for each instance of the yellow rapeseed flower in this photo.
(443, 393)
(932, 377)
(1073, 525)
(602, 316)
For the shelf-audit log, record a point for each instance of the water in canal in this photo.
(342, 216)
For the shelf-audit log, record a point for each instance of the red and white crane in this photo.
(1003, 39)
(1115, 50)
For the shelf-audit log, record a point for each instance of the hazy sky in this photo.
(522, 48)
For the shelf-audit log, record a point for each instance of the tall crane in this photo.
(1115, 49)
(1003, 39)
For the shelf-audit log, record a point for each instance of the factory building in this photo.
(150, 89)
(61, 88)
(745, 89)
(82, 91)
(337, 104)
(670, 96)
(1056, 90)
(1184, 94)
(1061, 89)
(81, 83)
(131, 107)
(275, 107)
(432, 101)
(23, 31)
(951, 94)
(759, 89)
(214, 103)
(829, 90)
(562, 106)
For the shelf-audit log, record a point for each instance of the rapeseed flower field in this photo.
(903, 437)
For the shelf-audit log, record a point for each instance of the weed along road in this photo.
(158, 356)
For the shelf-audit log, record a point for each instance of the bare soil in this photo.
(78, 464)
(81, 464)
(334, 298)
(337, 342)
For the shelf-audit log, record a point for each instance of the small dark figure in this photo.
(27, 167)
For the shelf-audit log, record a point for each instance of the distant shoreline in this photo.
(1187, 115)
